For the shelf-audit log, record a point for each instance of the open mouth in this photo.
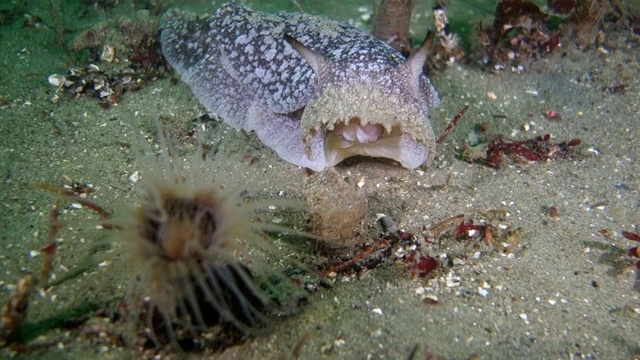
(353, 138)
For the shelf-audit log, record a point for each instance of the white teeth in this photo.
(369, 133)
(361, 134)
(348, 134)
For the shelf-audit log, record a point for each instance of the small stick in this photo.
(49, 250)
(488, 235)
(451, 125)
(297, 4)
(297, 349)
(88, 203)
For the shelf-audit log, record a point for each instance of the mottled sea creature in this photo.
(315, 90)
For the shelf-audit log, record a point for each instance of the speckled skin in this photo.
(240, 66)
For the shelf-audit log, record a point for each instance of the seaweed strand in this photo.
(55, 16)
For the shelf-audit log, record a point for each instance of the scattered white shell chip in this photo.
(361, 182)
(56, 80)
(34, 253)
(135, 177)
(105, 93)
(594, 150)
(552, 302)
(399, 252)
(277, 220)
(42, 292)
(524, 317)
(491, 95)
(452, 280)
(272, 207)
(76, 206)
(431, 297)
(377, 311)
(483, 292)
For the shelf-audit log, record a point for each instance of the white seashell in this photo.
(56, 80)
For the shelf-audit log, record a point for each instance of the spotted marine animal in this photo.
(315, 90)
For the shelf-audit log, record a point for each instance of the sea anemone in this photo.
(199, 248)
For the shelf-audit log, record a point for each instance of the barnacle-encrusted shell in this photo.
(315, 90)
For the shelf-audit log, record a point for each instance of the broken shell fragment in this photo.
(98, 85)
(56, 80)
(108, 54)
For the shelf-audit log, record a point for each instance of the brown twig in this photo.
(84, 202)
(451, 125)
(49, 250)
